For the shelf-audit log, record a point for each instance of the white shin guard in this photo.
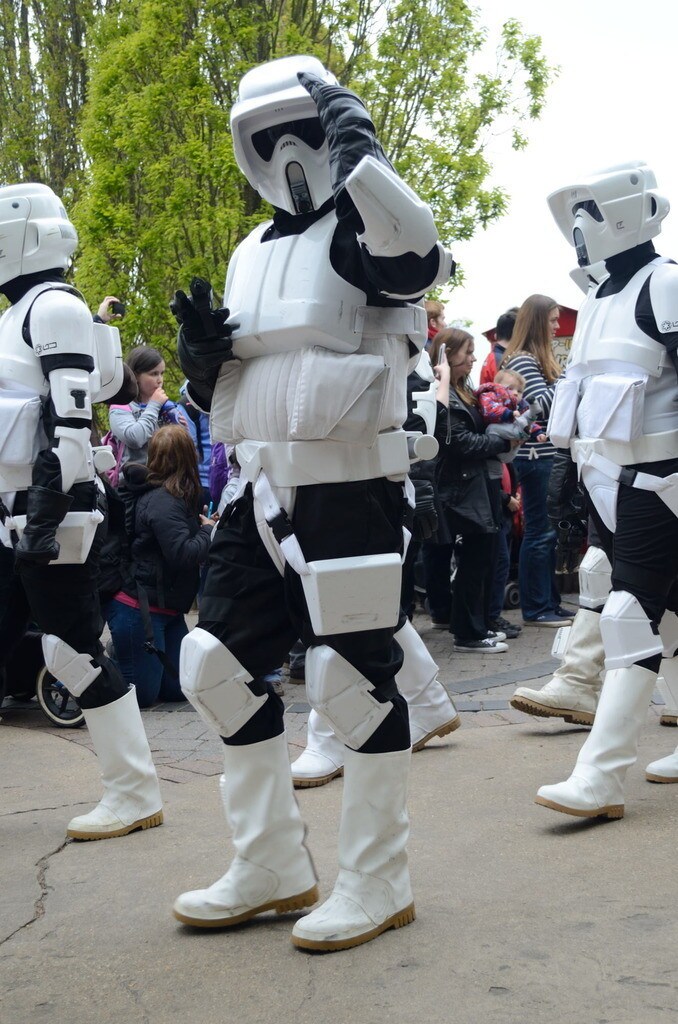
(432, 713)
(272, 869)
(372, 892)
(572, 693)
(131, 798)
(596, 786)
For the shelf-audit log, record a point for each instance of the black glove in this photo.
(348, 128)
(204, 341)
(425, 514)
(571, 537)
(564, 499)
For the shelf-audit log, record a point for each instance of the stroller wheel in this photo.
(511, 596)
(57, 702)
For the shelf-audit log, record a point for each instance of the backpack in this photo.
(112, 476)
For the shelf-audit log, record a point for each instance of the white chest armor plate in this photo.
(285, 295)
(607, 338)
(618, 397)
(19, 365)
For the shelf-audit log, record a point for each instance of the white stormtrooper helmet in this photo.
(278, 142)
(609, 212)
(35, 232)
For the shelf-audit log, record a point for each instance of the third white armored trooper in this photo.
(616, 410)
(54, 363)
(307, 376)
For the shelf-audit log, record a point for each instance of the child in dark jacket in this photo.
(506, 414)
(169, 541)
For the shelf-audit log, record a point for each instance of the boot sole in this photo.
(671, 720)
(659, 778)
(443, 730)
(320, 780)
(399, 920)
(143, 823)
(611, 811)
(531, 707)
(286, 906)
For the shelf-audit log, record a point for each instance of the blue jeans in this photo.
(539, 593)
(139, 667)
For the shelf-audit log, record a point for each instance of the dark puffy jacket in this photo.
(461, 470)
(168, 545)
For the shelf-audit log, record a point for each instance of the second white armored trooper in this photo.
(307, 376)
(54, 363)
(616, 410)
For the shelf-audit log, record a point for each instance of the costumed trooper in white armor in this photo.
(54, 363)
(307, 377)
(573, 691)
(616, 411)
(431, 711)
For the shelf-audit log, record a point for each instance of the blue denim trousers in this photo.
(138, 666)
(539, 593)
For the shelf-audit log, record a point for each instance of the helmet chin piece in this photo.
(35, 232)
(278, 143)
(610, 212)
(580, 248)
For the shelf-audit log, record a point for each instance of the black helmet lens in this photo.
(306, 129)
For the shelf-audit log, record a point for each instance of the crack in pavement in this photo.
(57, 807)
(39, 906)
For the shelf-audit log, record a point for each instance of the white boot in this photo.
(596, 786)
(272, 869)
(372, 892)
(573, 691)
(323, 758)
(432, 713)
(131, 797)
(667, 684)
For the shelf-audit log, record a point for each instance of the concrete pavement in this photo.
(523, 915)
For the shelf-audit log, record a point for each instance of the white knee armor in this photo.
(215, 683)
(626, 631)
(71, 668)
(668, 632)
(342, 696)
(594, 579)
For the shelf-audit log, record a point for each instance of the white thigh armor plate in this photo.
(342, 696)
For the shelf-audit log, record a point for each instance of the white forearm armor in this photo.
(396, 220)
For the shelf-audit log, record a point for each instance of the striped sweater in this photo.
(538, 389)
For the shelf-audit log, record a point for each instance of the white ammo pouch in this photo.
(74, 536)
(562, 424)
(612, 407)
(344, 595)
(19, 427)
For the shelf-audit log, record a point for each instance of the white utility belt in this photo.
(646, 448)
(300, 463)
(665, 488)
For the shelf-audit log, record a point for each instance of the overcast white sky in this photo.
(615, 99)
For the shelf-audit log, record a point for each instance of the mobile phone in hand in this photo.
(118, 308)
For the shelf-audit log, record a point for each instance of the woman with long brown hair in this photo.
(471, 503)
(530, 353)
(169, 540)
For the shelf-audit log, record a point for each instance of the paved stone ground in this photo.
(480, 685)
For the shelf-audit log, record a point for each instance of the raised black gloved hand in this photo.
(348, 128)
(204, 341)
(425, 514)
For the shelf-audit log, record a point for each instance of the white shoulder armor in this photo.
(61, 325)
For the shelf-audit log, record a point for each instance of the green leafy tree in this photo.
(123, 106)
